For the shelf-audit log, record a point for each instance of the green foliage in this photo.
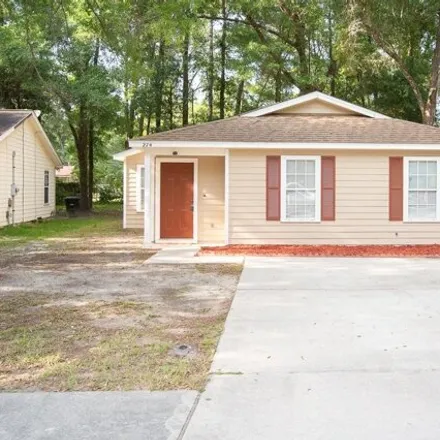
(104, 71)
(65, 189)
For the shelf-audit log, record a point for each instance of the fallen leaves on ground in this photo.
(432, 250)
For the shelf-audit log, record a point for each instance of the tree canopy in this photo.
(105, 71)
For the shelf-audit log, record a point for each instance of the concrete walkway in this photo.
(187, 254)
(134, 415)
(328, 349)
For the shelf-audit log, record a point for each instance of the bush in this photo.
(65, 189)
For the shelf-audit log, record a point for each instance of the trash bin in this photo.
(72, 205)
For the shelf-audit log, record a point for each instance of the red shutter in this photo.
(273, 187)
(327, 188)
(396, 189)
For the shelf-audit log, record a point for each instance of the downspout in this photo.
(13, 189)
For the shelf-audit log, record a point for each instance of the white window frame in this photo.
(406, 161)
(140, 185)
(46, 186)
(284, 160)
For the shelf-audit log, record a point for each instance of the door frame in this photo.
(159, 162)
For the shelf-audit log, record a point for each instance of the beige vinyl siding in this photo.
(361, 203)
(317, 107)
(210, 197)
(134, 218)
(211, 201)
(31, 161)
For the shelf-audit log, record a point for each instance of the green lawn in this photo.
(61, 227)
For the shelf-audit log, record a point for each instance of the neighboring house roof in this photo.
(307, 129)
(64, 172)
(11, 119)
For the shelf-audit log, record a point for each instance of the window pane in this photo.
(301, 166)
(310, 181)
(412, 197)
(291, 182)
(426, 212)
(423, 167)
(301, 181)
(413, 182)
(290, 166)
(432, 167)
(412, 212)
(310, 167)
(422, 182)
(432, 182)
(310, 211)
(412, 168)
(142, 195)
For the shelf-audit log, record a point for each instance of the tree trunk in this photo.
(193, 119)
(159, 84)
(223, 61)
(170, 107)
(239, 97)
(429, 113)
(81, 136)
(332, 67)
(91, 163)
(185, 88)
(278, 86)
(141, 123)
(211, 72)
(149, 122)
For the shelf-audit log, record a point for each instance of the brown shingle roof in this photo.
(309, 129)
(11, 118)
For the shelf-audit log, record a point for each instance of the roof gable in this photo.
(316, 103)
(11, 119)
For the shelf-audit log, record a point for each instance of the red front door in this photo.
(176, 200)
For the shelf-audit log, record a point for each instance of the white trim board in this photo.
(226, 177)
(148, 215)
(208, 146)
(125, 196)
(159, 161)
(318, 96)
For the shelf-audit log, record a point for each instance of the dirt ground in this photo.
(86, 314)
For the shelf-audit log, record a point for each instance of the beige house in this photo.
(312, 170)
(27, 168)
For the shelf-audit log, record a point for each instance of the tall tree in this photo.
(408, 31)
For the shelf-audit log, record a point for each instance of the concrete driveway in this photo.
(328, 349)
(129, 415)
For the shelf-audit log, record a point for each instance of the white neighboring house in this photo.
(27, 168)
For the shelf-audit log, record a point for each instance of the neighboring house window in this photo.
(422, 189)
(46, 187)
(300, 188)
(140, 184)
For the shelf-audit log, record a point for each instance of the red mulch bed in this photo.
(432, 250)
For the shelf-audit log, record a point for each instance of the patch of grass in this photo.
(60, 228)
(48, 346)
(220, 269)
